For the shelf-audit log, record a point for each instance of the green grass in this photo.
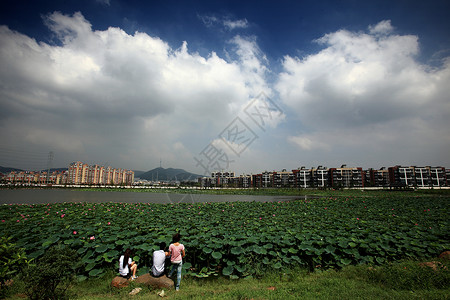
(403, 280)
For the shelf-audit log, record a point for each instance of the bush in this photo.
(50, 277)
(12, 260)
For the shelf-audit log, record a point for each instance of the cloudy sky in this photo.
(235, 85)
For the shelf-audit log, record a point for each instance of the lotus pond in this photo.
(237, 239)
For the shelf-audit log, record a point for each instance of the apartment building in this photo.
(438, 176)
(321, 178)
(302, 178)
(283, 179)
(222, 179)
(81, 173)
(422, 176)
(257, 180)
(379, 178)
(401, 176)
(78, 173)
(346, 177)
(414, 176)
(31, 177)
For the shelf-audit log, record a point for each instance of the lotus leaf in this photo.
(227, 270)
(220, 237)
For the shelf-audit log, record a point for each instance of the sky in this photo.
(243, 86)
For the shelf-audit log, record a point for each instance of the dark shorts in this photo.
(128, 276)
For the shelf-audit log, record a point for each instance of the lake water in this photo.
(38, 196)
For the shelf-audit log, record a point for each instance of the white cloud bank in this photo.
(131, 100)
(366, 93)
(114, 96)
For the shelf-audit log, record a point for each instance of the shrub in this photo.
(52, 274)
(12, 260)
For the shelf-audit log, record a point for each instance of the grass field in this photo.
(403, 280)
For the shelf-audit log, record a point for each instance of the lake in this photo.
(39, 196)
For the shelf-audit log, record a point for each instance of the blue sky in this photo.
(130, 83)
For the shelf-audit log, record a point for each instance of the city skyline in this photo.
(211, 85)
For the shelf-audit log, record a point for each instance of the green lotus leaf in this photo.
(292, 250)
(90, 266)
(277, 265)
(227, 270)
(88, 254)
(216, 255)
(187, 265)
(380, 260)
(268, 246)
(260, 250)
(237, 250)
(330, 249)
(102, 248)
(112, 253)
(240, 269)
(95, 272)
(47, 243)
(207, 250)
(36, 254)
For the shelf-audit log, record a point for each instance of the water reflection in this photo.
(39, 196)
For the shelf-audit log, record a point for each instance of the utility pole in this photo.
(49, 164)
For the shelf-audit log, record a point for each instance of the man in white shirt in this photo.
(159, 259)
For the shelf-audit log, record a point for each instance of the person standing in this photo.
(176, 252)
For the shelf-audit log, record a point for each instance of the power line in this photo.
(23, 158)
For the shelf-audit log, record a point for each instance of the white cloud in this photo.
(253, 64)
(105, 95)
(367, 90)
(309, 142)
(233, 24)
(113, 94)
(226, 22)
(209, 21)
(384, 27)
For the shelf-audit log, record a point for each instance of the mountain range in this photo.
(166, 174)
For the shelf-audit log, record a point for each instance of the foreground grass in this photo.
(404, 280)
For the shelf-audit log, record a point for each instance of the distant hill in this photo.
(168, 174)
(56, 169)
(138, 173)
(5, 170)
